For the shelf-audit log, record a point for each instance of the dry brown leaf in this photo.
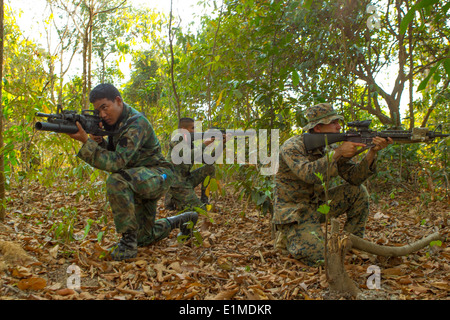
(176, 266)
(224, 264)
(251, 295)
(405, 280)
(34, 283)
(65, 292)
(259, 293)
(159, 269)
(54, 251)
(418, 289)
(87, 296)
(141, 264)
(392, 272)
(21, 272)
(441, 285)
(12, 253)
(226, 295)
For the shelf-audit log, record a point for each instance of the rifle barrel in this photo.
(47, 115)
(56, 127)
(441, 135)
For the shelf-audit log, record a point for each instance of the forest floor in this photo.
(235, 260)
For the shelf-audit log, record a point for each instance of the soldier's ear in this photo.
(119, 100)
(317, 128)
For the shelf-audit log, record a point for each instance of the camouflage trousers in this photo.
(305, 240)
(133, 195)
(182, 196)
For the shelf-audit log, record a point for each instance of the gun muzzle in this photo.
(56, 127)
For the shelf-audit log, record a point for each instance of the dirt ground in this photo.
(235, 258)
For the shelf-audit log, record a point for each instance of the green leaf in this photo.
(213, 185)
(324, 208)
(447, 66)
(410, 14)
(319, 175)
(445, 8)
(436, 243)
(295, 78)
(424, 82)
(426, 3)
(261, 199)
(206, 181)
(307, 4)
(100, 236)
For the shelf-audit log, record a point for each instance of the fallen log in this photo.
(340, 244)
(388, 251)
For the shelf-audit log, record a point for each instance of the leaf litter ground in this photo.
(235, 260)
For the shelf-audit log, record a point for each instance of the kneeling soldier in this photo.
(140, 175)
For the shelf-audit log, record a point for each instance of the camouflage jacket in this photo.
(298, 190)
(134, 144)
(183, 170)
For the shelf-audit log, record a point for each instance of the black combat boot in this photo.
(126, 248)
(182, 221)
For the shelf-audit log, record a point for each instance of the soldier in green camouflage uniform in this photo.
(299, 192)
(140, 174)
(181, 195)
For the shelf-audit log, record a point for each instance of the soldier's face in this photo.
(333, 127)
(109, 111)
(190, 127)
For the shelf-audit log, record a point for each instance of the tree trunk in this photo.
(2, 164)
(84, 76)
(172, 62)
(337, 277)
(89, 74)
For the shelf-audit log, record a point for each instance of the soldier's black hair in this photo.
(102, 91)
(184, 122)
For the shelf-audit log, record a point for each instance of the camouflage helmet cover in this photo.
(322, 113)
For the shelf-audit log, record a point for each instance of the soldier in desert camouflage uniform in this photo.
(181, 195)
(299, 192)
(140, 174)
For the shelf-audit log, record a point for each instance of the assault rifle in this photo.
(64, 121)
(359, 132)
